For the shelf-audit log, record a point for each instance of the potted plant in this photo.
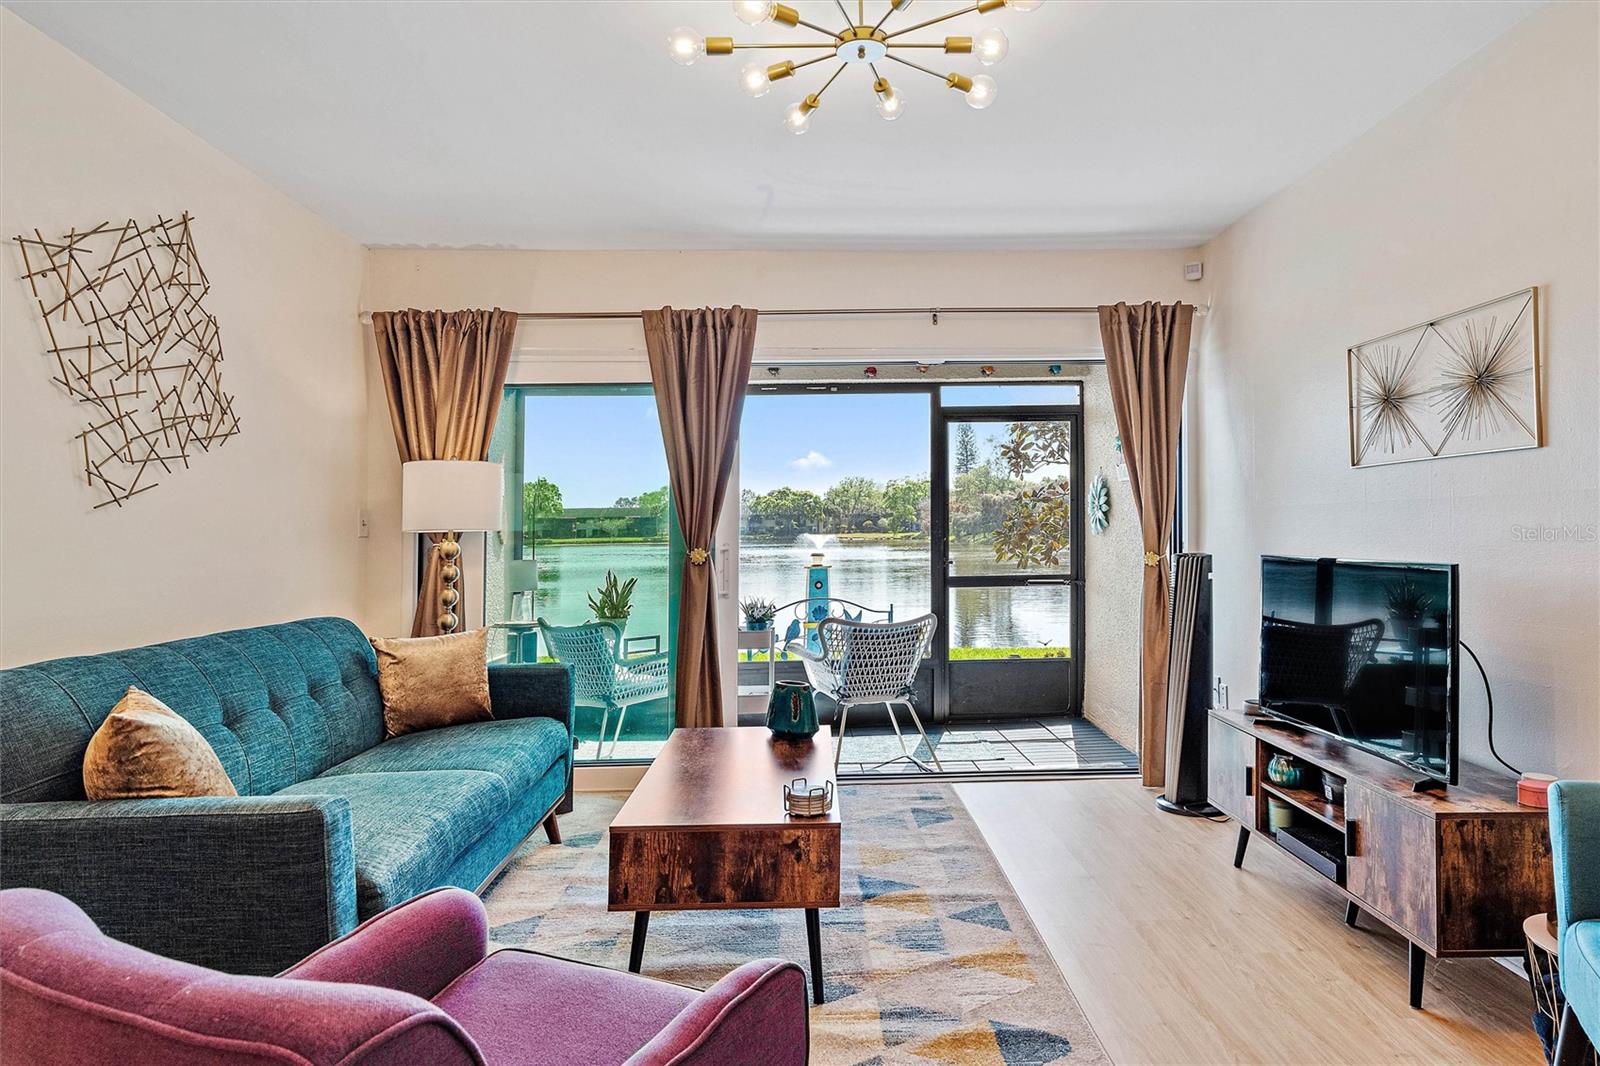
(613, 600)
(758, 613)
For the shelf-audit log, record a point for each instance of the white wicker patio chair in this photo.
(601, 677)
(871, 662)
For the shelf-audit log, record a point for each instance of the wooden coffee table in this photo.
(706, 830)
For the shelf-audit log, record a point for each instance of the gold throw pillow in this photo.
(146, 750)
(428, 682)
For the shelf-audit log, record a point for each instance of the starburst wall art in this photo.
(1463, 384)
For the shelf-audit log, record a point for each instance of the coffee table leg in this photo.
(641, 923)
(814, 940)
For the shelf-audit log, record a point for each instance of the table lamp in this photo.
(449, 496)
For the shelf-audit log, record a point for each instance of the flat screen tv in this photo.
(1365, 652)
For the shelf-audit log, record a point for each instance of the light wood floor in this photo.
(1177, 957)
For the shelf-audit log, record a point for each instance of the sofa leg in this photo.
(1572, 1043)
(552, 828)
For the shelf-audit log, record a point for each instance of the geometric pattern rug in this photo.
(929, 958)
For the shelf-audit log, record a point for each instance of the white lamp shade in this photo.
(449, 496)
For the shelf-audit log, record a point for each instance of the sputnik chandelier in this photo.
(860, 43)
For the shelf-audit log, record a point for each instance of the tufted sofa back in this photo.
(279, 704)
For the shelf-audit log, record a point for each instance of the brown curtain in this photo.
(700, 364)
(444, 373)
(1147, 358)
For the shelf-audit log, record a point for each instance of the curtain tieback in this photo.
(1152, 559)
(698, 556)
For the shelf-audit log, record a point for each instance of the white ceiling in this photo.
(565, 125)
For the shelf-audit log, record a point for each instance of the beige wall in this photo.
(1483, 185)
(613, 351)
(264, 529)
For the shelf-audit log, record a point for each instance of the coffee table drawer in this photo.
(676, 869)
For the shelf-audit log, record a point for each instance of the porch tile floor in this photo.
(1023, 745)
(1002, 746)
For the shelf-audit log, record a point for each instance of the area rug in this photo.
(930, 957)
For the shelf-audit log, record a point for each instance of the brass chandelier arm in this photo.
(917, 66)
(934, 21)
(818, 94)
(809, 62)
(814, 26)
(831, 46)
(840, 5)
(919, 44)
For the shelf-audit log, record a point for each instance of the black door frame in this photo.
(939, 502)
(939, 489)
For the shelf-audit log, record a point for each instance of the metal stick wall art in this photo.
(1459, 385)
(131, 340)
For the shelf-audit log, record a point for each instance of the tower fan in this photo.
(1188, 688)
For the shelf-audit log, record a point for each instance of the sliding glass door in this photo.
(1008, 539)
(590, 545)
(910, 498)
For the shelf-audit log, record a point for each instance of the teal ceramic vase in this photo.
(792, 710)
(1285, 772)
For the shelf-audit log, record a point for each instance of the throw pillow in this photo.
(146, 750)
(428, 682)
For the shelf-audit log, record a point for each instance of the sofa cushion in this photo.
(1580, 971)
(432, 682)
(146, 750)
(517, 750)
(278, 704)
(408, 828)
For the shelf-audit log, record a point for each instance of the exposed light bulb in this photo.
(685, 46)
(1024, 5)
(797, 119)
(753, 80)
(991, 46)
(891, 105)
(981, 95)
(753, 12)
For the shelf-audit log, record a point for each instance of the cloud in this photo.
(812, 460)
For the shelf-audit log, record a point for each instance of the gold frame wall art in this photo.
(1468, 383)
(131, 340)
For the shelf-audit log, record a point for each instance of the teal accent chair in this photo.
(1575, 849)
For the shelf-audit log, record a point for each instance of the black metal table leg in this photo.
(1244, 842)
(1351, 912)
(1419, 962)
(814, 940)
(641, 924)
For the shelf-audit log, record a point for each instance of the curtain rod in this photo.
(933, 312)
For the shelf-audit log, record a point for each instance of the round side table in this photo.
(1544, 975)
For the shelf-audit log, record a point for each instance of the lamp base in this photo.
(449, 550)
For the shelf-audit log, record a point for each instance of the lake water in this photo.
(877, 575)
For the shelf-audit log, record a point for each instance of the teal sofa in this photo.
(1575, 849)
(332, 823)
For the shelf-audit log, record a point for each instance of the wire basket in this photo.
(1544, 975)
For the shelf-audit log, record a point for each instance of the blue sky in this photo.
(599, 448)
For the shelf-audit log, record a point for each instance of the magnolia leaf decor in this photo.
(1099, 504)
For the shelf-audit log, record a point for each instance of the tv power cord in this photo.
(1488, 695)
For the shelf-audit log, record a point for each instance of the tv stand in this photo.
(1453, 871)
(1429, 784)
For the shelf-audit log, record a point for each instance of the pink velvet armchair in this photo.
(413, 985)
